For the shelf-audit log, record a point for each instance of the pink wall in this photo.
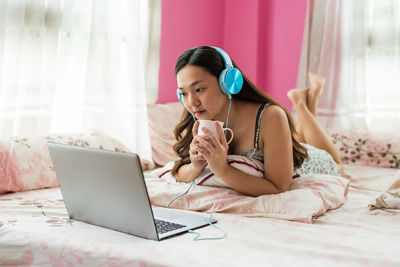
(263, 37)
(185, 24)
(241, 35)
(284, 34)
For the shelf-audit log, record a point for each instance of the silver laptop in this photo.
(107, 188)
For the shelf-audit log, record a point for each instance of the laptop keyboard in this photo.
(164, 226)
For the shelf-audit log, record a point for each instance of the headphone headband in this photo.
(225, 57)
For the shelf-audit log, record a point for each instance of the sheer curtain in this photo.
(68, 65)
(355, 44)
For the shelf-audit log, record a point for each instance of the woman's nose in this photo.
(193, 100)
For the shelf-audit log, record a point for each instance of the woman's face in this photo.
(201, 93)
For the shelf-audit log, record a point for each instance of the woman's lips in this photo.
(198, 113)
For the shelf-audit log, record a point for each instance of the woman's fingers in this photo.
(195, 149)
(217, 141)
(195, 129)
(210, 137)
(197, 158)
(206, 142)
(221, 136)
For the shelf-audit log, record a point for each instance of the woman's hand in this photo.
(198, 161)
(212, 150)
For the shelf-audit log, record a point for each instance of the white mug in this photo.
(211, 126)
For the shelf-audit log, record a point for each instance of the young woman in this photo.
(262, 128)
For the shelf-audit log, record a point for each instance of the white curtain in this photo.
(68, 65)
(356, 45)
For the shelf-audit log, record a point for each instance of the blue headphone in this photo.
(230, 80)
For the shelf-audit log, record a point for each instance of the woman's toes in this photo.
(316, 81)
(298, 95)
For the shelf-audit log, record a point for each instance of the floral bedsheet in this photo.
(35, 231)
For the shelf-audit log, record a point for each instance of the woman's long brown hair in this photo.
(209, 59)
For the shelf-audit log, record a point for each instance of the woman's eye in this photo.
(182, 94)
(199, 89)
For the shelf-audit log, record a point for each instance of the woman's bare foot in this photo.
(316, 86)
(298, 96)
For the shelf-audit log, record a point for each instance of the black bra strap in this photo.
(258, 120)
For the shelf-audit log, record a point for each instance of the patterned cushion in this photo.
(25, 162)
(162, 119)
(367, 148)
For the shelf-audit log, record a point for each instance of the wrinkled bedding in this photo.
(390, 198)
(35, 231)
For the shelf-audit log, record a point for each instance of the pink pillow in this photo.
(25, 163)
(162, 119)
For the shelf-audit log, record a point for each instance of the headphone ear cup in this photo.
(222, 82)
(179, 96)
(231, 81)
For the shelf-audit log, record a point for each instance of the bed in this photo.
(348, 228)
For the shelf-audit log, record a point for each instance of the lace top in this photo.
(256, 153)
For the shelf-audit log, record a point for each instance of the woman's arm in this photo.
(277, 144)
(275, 137)
(248, 184)
(187, 173)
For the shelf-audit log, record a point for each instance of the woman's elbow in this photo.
(283, 187)
(271, 191)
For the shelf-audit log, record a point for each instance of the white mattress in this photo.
(35, 230)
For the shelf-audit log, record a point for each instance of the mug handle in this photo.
(229, 130)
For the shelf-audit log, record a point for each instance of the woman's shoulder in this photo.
(274, 112)
(271, 112)
(274, 119)
(273, 125)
